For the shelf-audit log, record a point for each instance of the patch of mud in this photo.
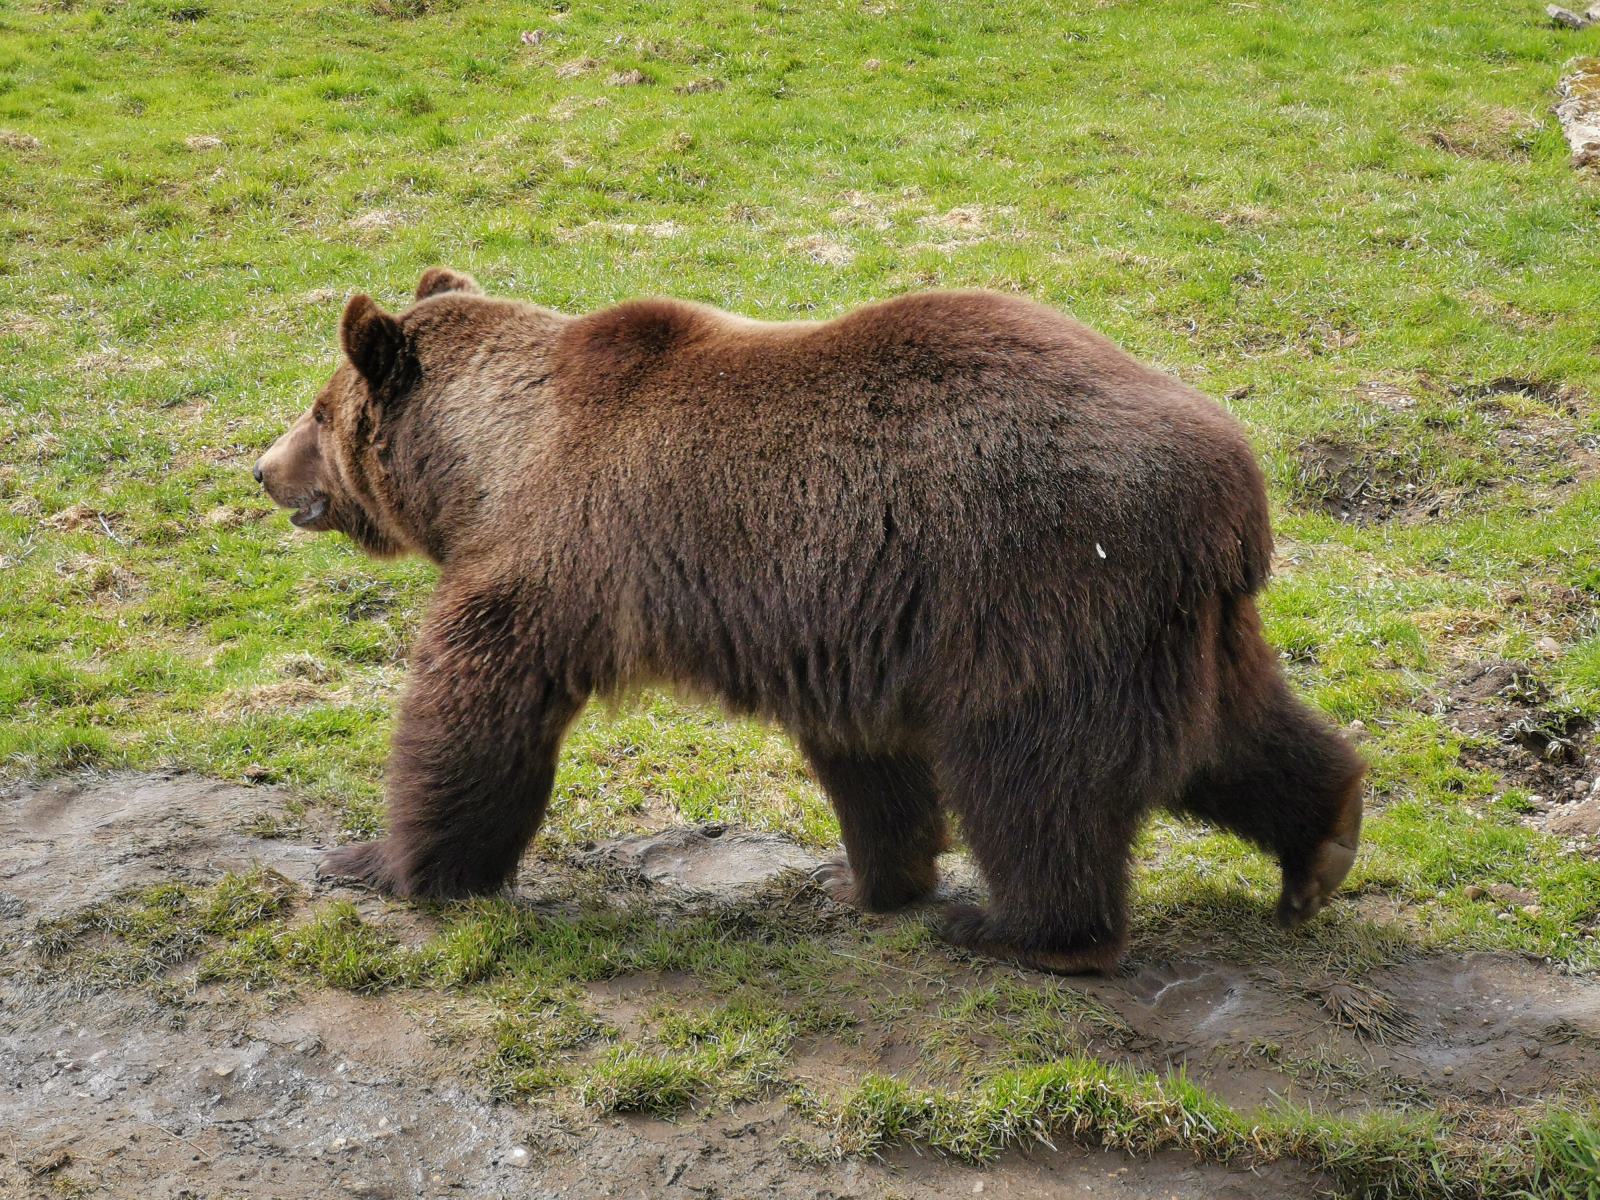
(80, 839)
(1476, 1027)
(1356, 483)
(186, 1090)
(1414, 440)
(1519, 731)
(341, 1096)
(707, 861)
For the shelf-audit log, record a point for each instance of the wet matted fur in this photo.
(976, 559)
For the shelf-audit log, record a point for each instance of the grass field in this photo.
(1356, 223)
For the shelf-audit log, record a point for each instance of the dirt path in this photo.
(212, 1093)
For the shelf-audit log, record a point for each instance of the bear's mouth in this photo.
(307, 516)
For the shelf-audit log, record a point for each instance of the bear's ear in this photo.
(437, 280)
(372, 339)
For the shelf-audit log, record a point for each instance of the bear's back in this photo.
(976, 458)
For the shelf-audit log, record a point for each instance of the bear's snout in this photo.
(291, 471)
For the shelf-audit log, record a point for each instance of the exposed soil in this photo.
(1390, 468)
(209, 1092)
(1518, 731)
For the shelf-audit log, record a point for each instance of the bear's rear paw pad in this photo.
(364, 863)
(838, 881)
(972, 929)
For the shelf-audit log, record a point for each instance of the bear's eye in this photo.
(317, 414)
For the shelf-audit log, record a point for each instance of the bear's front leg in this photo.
(474, 751)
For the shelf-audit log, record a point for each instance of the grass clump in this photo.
(533, 1042)
(633, 1080)
(335, 948)
(135, 938)
(1566, 1156)
(1376, 1156)
(1008, 1022)
(1080, 1099)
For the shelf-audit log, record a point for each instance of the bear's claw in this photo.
(364, 863)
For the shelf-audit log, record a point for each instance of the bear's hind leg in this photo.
(1285, 780)
(1052, 831)
(893, 828)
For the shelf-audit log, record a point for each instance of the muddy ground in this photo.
(204, 1091)
(1396, 461)
(1516, 728)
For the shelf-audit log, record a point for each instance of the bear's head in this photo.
(334, 466)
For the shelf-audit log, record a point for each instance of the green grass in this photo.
(1355, 222)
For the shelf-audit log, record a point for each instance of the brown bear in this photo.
(974, 557)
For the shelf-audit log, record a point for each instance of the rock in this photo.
(1565, 17)
(520, 1157)
(723, 866)
(1473, 892)
(1548, 645)
(1577, 820)
(1579, 111)
(1506, 894)
(1531, 910)
(203, 141)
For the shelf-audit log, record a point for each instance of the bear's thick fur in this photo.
(975, 558)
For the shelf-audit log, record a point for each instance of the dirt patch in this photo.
(822, 250)
(1363, 485)
(1424, 451)
(347, 1096)
(379, 220)
(1521, 732)
(148, 1091)
(698, 87)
